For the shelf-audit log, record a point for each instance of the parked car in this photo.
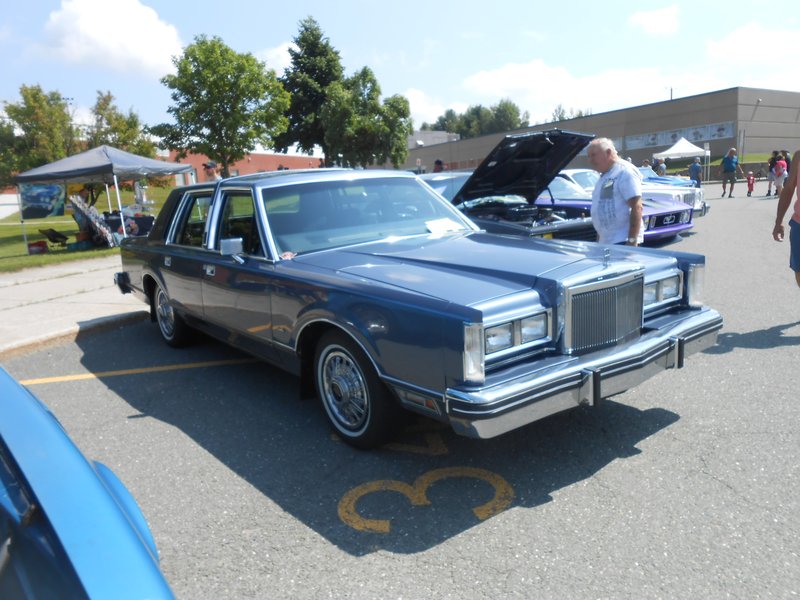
(694, 197)
(68, 527)
(662, 218)
(380, 294)
(691, 195)
(500, 195)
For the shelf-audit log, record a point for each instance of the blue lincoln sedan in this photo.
(380, 296)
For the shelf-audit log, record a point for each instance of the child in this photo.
(751, 182)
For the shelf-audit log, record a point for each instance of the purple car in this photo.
(663, 218)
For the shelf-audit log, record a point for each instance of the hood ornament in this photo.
(606, 257)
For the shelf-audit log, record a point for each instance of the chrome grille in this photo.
(668, 219)
(603, 314)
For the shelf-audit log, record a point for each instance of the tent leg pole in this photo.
(119, 204)
(108, 197)
(22, 221)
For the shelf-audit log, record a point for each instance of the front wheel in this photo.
(358, 404)
(173, 328)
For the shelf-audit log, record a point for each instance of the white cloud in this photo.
(82, 115)
(121, 35)
(660, 22)
(539, 88)
(425, 109)
(747, 56)
(754, 44)
(278, 58)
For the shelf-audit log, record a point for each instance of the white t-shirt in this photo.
(610, 209)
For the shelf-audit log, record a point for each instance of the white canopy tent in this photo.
(683, 148)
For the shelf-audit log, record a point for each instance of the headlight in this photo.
(685, 216)
(663, 290)
(650, 294)
(499, 337)
(500, 340)
(670, 288)
(533, 328)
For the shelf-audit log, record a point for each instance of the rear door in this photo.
(182, 267)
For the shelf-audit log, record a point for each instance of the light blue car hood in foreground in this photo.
(94, 518)
(472, 267)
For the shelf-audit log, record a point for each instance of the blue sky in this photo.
(596, 56)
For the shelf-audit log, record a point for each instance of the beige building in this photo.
(750, 119)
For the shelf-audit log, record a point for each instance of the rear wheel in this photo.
(173, 328)
(359, 406)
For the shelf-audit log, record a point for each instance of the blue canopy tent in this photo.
(103, 164)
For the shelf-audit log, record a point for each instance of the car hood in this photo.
(470, 268)
(650, 206)
(523, 164)
(669, 181)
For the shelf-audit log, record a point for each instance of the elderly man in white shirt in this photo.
(617, 196)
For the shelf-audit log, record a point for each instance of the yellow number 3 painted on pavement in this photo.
(417, 494)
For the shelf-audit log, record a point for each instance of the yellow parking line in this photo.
(165, 368)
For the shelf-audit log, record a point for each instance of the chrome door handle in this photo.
(209, 270)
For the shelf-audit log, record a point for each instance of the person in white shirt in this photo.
(617, 196)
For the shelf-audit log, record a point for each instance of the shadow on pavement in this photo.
(249, 417)
(761, 339)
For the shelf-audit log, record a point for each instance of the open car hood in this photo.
(523, 164)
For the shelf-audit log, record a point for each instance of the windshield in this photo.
(319, 216)
(562, 189)
(446, 184)
(585, 179)
(647, 172)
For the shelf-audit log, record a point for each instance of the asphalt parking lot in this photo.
(685, 487)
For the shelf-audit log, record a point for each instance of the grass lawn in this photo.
(14, 253)
(676, 167)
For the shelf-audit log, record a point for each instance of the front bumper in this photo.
(123, 282)
(585, 380)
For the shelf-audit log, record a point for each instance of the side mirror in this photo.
(231, 246)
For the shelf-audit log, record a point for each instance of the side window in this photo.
(239, 221)
(191, 227)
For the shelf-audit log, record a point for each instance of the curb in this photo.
(70, 334)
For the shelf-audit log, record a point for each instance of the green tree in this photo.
(450, 121)
(479, 120)
(224, 103)
(43, 125)
(507, 116)
(559, 114)
(316, 65)
(8, 156)
(360, 130)
(115, 129)
(397, 126)
(476, 121)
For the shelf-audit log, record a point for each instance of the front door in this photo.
(236, 288)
